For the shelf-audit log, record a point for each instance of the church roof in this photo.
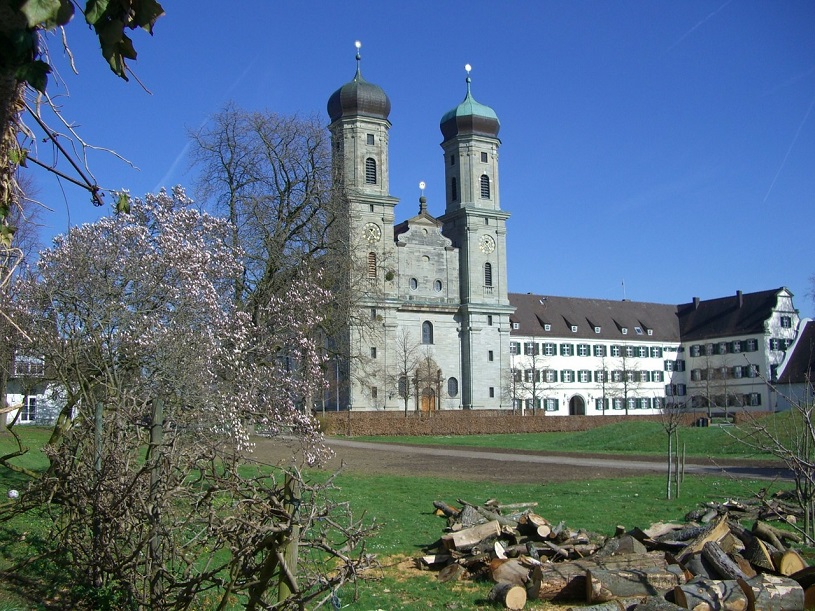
(470, 117)
(800, 364)
(622, 320)
(358, 97)
(739, 314)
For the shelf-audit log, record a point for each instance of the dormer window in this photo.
(625, 330)
(650, 331)
(516, 325)
(547, 327)
(638, 330)
(597, 329)
(574, 328)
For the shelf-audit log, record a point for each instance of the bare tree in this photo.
(407, 356)
(625, 379)
(270, 176)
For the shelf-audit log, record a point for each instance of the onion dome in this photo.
(470, 117)
(359, 98)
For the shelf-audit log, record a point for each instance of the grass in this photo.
(403, 508)
(622, 438)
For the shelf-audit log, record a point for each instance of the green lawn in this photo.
(403, 509)
(623, 438)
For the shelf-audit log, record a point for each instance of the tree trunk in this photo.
(469, 537)
(771, 593)
(603, 585)
(566, 581)
(155, 565)
(721, 562)
(711, 595)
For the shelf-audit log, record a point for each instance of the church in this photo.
(432, 325)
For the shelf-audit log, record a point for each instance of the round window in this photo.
(414, 284)
(437, 286)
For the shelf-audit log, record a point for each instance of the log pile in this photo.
(710, 562)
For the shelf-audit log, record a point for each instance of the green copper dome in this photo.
(470, 117)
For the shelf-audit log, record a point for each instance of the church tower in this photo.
(474, 221)
(359, 128)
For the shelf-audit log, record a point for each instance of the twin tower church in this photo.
(433, 326)
(432, 292)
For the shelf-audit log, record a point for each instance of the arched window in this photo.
(485, 186)
(370, 172)
(488, 274)
(453, 189)
(372, 265)
(452, 387)
(427, 332)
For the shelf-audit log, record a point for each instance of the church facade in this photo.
(432, 325)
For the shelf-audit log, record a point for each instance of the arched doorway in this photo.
(428, 400)
(577, 406)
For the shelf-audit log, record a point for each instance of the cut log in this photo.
(452, 572)
(721, 562)
(656, 603)
(708, 595)
(470, 537)
(698, 566)
(780, 533)
(543, 531)
(444, 508)
(566, 581)
(716, 532)
(764, 532)
(805, 577)
(603, 585)
(509, 571)
(533, 586)
(809, 598)
(789, 562)
(619, 604)
(772, 593)
(509, 595)
(759, 554)
(431, 559)
(744, 565)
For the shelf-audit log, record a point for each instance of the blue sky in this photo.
(654, 150)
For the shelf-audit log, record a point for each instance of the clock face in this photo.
(487, 244)
(372, 232)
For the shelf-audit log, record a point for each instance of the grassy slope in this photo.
(622, 438)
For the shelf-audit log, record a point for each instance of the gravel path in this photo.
(500, 465)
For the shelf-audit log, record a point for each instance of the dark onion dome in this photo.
(359, 98)
(470, 117)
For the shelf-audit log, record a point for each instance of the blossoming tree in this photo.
(164, 380)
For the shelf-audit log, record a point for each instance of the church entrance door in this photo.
(577, 407)
(428, 400)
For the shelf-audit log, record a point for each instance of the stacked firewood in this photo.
(711, 562)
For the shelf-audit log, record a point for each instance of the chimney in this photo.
(695, 303)
(740, 298)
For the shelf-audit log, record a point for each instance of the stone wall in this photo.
(475, 422)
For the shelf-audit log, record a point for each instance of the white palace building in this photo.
(437, 329)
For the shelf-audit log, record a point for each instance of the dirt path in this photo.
(498, 465)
